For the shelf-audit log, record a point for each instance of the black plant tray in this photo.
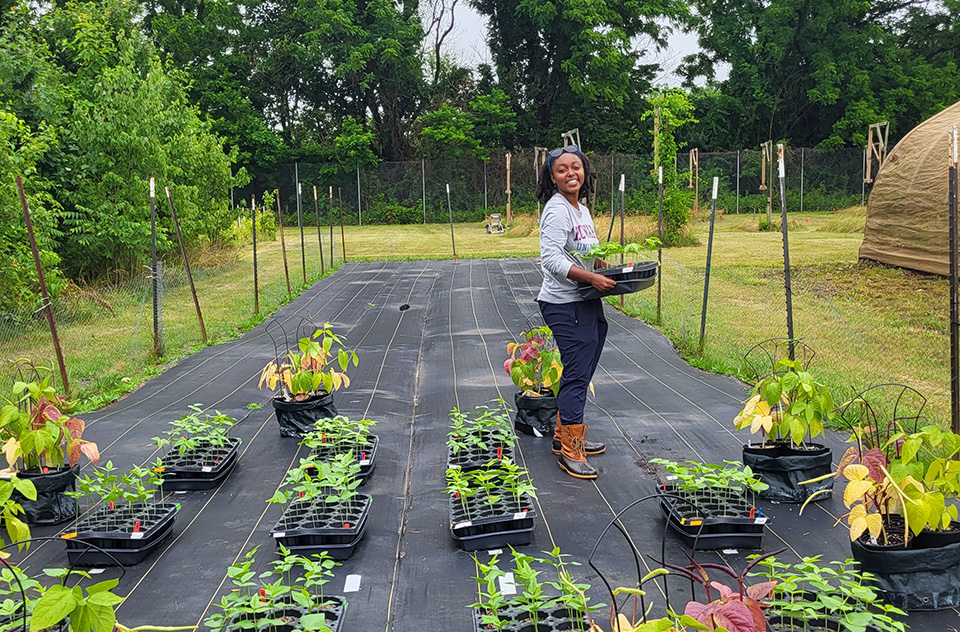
(203, 468)
(630, 278)
(517, 620)
(334, 617)
(366, 455)
(725, 520)
(492, 527)
(475, 458)
(113, 530)
(312, 527)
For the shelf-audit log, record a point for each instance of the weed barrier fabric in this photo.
(416, 364)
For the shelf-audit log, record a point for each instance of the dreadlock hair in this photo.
(546, 187)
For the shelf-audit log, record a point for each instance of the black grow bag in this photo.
(491, 527)
(297, 418)
(202, 468)
(914, 579)
(517, 620)
(312, 526)
(536, 413)
(630, 278)
(785, 472)
(290, 612)
(52, 506)
(128, 532)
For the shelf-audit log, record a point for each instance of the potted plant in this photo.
(322, 509)
(128, 523)
(491, 506)
(630, 277)
(290, 595)
(534, 366)
(475, 440)
(716, 508)
(834, 598)
(546, 604)
(200, 451)
(306, 379)
(788, 408)
(43, 445)
(339, 435)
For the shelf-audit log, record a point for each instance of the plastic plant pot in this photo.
(128, 532)
(723, 520)
(914, 579)
(333, 613)
(474, 458)
(548, 620)
(312, 526)
(630, 278)
(297, 418)
(783, 467)
(366, 451)
(52, 506)
(536, 414)
(487, 526)
(202, 468)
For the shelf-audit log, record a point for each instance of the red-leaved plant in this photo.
(739, 610)
(534, 365)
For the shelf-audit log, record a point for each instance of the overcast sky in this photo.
(468, 44)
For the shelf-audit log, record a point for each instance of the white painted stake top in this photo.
(716, 181)
(622, 178)
(448, 188)
(660, 175)
(954, 146)
(780, 160)
(153, 190)
(299, 188)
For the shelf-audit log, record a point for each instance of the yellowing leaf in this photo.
(10, 449)
(856, 472)
(855, 491)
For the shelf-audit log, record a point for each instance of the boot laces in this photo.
(578, 444)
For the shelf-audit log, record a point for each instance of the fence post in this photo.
(450, 212)
(423, 181)
(330, 222)
(303, 248)
(738, 182)
(954, 155)
(801, 179)
(786, 247)
(316, 207)
(660, 237)
(283, 243)
(256, 284)
(359, 205)
(706, 278)
(154, 272)
(343, 239)
(47, 306)
(186, 263)
(485, 209)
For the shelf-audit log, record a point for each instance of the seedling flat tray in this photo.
(365, 450)
(518, 620)
(313, 527)
(475, 458)
(116, 531)
(722, 519)
(333, 613)
(203, 468)
(492, 527)
(630, 278)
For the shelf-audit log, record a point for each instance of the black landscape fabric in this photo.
(446, 350)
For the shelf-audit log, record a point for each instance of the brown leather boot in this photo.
(590, 448)
(572, 458)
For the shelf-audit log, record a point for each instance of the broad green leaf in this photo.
(52, 608)
(108, 584)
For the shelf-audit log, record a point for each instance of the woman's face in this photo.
(567, 173)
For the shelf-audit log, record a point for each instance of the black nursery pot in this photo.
(116, 531)
(549, 620)
(630, 278)
(911, 578)
(203, 468)
(52, 506)
(717, 519)
(536, 413)
(928, 539)
(297, 418)
(783, 467)
(290, 612)
(492, 527)
(308, 527)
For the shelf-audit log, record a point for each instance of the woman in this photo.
(579, 327)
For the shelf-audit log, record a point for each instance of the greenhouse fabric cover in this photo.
(907, 210)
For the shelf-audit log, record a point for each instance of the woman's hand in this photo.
(602, 283)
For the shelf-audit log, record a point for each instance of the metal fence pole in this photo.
(47, 306)
(283, 243)
(343, 238)
(256, 284)
(485, 210)
(660, 237)
(303, 247)
(450, 212)
(801, 179)
(316, 207)
(154, 273)
(186, 264)
(359, 205)
(738, 181)
(423, 181)
(786, 246)
(706, 278)
(330, 222)
(954, 305)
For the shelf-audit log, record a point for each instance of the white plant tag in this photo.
(627, 269)
(364, 461)
(136, 535)
(520, 515)
(494, 552)
(536, 433)
(280, 534)
(95, 571)
(760, 520)
(507, 587)
(463, 525)
(352, 584)
(206, 469)
(730, 551)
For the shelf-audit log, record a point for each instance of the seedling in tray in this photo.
(332, 437)
(498, 488)
(196, 430)
(475, 440)
(201, 452)
(275, 598)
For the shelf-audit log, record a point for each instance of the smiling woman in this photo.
(579, 327)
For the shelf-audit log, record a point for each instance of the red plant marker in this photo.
(323, 438)
(263, 594)
(363, 456)
(753, 512)
(136, 527)
(111, 505)
(456, 494)
(301, 494)
(499, 451)
(46, 470)
(346, 525)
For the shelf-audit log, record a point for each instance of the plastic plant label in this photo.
(671, 478)
(730, 551)
(279, 534)
(69, 536)
(494, 552)
(95, 571)
(507, 586)
(627, 269)
(206, 469)
(364, 461)
(760, 520)
(177, 506)
(136, 535)
(352, 584)
(520, 515)
(463, 525)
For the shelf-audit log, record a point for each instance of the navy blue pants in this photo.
(580, 330)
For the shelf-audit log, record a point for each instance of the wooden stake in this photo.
(509, 209)
(186, 263)
(283, 242)
(316, 207)
(343, 239)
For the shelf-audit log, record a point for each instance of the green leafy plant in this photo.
(312, 370)
(612, 248)
(497, 481)
(332, 482)
(196, 429)
(135, 487)
(787, 403)
(484, 429)
(35, 431)
(339, 434)
(732, 475)
(16, 528)
(534, 365)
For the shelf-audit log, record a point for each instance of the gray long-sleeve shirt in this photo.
(564, 229)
